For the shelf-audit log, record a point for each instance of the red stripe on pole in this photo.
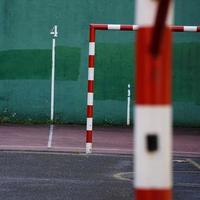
(89, 137)
(100, 26)
(90, 86)
(92, 33)
(91, 61)
(89, 111)
(126, 27)
(177, 28)
(153, 74)
(198, 29)
(153, 194)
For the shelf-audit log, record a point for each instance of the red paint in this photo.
(89, 137)
(126, 28)
(177, 28)
(198, 29)
(90, 86)
(100, 26)
(91, 60)
(92, 33)
(153, 194)
(89, 111)
(153, 74)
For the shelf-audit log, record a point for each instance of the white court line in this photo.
(195, 164)
(50, 136)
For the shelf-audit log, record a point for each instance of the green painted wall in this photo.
(25, 61)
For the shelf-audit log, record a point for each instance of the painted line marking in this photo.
(50, 136)
(120, 175)
(195, 164)
(180, 161)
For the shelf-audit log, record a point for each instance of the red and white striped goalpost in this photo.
(91, 65)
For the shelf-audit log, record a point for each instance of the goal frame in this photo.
(91, 66)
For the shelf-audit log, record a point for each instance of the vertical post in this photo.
(153, 110)
(54, 34)
(90, 94)
(128, 105)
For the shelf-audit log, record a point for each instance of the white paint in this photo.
(89, 123)
(90, 73)
(53, 79)
(195, 164)
(190, 28)
(90, 99)
(92, 48)
(88, 148)
(128, 105)
(50, 136)
(153, 169)
(135, 27)
(114, 27)
(146, 12)
(54, 32)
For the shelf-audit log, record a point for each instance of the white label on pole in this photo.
(153, 169)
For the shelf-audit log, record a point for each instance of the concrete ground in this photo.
(186, 141)
(30, 170)
(61, 176)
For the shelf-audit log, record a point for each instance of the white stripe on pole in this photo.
(92, 48)
(90, 99)
(89, 123)
(88, 148)
(135, 27)
(90, 74)
(155, 120)
(114, 27)
(190, 28)
(128, 105)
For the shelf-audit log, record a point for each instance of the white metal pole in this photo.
(53, 78)
(54, 34)
(128, 105)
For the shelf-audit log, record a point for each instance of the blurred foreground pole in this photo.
(153, 110)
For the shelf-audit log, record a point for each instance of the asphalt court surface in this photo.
(62, 176)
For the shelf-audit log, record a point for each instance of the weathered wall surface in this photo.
(25, 61)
